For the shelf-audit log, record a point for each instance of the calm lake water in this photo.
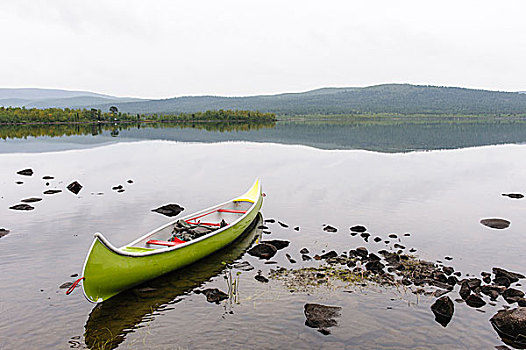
(312, 175)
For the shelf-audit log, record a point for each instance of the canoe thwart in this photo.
(165, 243)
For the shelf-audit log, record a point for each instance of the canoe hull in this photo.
(109, 271)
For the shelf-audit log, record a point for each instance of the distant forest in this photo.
(392, 98)
(21, 115)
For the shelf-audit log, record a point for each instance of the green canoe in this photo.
(109, 270)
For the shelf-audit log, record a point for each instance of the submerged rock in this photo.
(66, 285)
(321, 316)
(263, 251)
(3, 232)
(289, 258)
(22, 207)
(328, 255)
(511, 326)
(25, 172)
(330, 229)
(282, 224)
(277, 243)
(31, 200)
(74, 187)
(305, 257)
(244, 266)
(169, 209)
(443, 310)
(52, 191)
(495, 223)
(513, 195)
(358, 228)
(213, 295)
(261, 278)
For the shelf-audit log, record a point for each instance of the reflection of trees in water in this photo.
(59, 130)
(109, 322)
(391, 136)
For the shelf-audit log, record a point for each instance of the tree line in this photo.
(21, 115)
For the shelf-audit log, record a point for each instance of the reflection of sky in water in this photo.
(438, 196)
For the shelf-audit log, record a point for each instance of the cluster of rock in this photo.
(73, 187)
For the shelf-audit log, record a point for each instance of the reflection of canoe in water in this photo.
(109, 270)
(109, 322)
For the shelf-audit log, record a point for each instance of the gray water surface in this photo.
(437, 196)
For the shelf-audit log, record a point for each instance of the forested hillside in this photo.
(392, 98)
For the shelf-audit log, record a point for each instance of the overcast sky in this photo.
(169, 48)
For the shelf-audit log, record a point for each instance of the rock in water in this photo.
(263, 251)
(213, 295)
(475, 301)
(498, 224)
(52, 191)
(74, 187)
(514, 195)
(512, 295)
(330, 229)
(31, 200)
(47, 177)
(443, 310)
(328, 255)
(261, 278)
(66, 285)
(277, 243)
(512, 276)
(358, 228)
(169, 209)
(511, 325)
(282, 224)
(321, 316)
(25, 172)
(244, 266)
(22, 207)
(3, 232)
(304, 251)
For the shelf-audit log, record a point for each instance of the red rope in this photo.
(73, 286)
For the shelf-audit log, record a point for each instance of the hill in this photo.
(46, 98)
(389, 98)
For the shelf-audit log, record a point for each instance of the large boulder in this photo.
(511, 326)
